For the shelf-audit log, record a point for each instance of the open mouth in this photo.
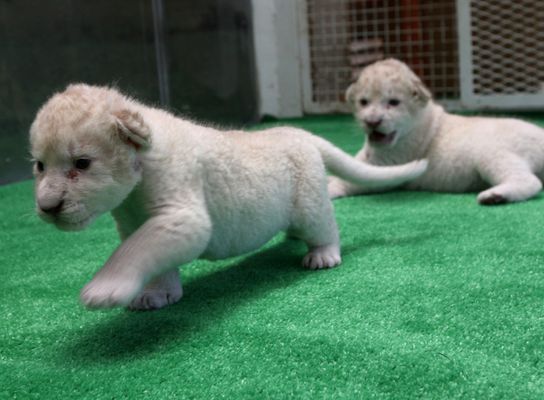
(381, 138)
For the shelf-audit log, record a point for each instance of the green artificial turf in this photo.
(437, 298)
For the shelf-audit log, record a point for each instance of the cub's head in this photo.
(387, 98)
(85, 143)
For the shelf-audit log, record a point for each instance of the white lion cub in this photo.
(465, 154)
(179, 191)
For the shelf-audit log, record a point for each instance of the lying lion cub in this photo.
(466, 154)
(179, 191)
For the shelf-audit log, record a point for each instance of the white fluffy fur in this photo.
(179, 191)
(465, 153)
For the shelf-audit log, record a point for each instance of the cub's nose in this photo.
(373, 123)
(50, 206)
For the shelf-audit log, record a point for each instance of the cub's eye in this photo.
(363, 102)
(393, 102)
(82, 163)
(39, 166)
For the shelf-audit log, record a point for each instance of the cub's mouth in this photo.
(377, 137)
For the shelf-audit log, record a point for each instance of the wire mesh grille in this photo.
(507, 46)
(346, 35)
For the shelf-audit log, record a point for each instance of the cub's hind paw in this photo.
(490, 198)
(322, 257)
(153, 300)
(336, 188)
(162, 291)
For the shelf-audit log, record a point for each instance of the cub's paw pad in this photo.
(153, 300)
(491, 199)
(322, 257)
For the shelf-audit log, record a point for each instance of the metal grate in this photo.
(507, 46)
(346, 35)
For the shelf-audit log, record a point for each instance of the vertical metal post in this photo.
(464, 32)
(157, 7)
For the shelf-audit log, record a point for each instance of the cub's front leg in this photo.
(157, 248)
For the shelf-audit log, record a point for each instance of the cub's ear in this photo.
(420, 91)
(350, 94)
(132, 129)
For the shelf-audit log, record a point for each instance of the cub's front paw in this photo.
(111, 292)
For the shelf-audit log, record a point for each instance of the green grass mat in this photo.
(437, 298)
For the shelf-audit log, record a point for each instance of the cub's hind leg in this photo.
(313, 221)
(511, 178)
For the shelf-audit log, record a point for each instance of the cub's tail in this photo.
(346, 167)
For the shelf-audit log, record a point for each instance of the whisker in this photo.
(29, 215)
